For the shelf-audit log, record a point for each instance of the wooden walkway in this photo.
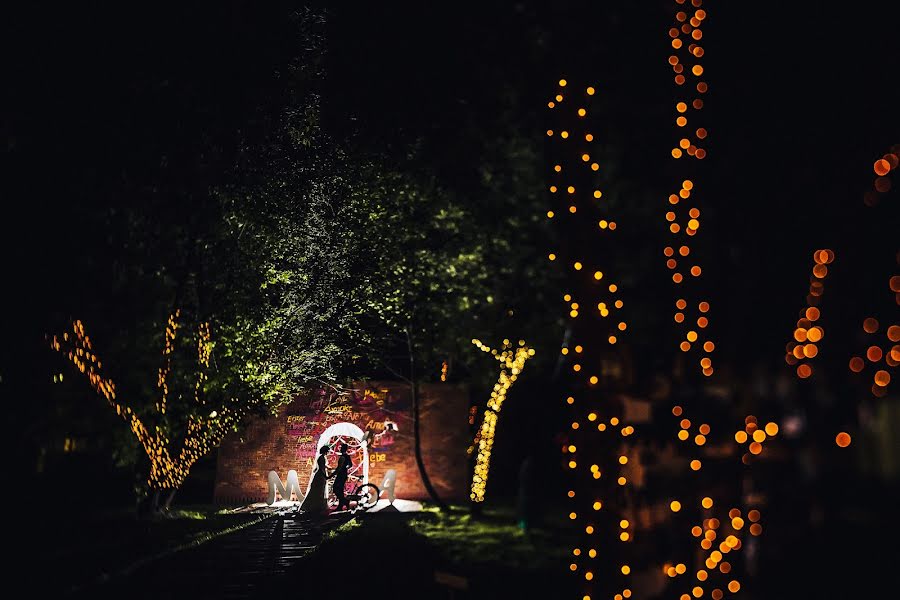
(248, 563)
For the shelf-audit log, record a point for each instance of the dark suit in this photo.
(340, 478)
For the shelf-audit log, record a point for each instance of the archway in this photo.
(358, 450)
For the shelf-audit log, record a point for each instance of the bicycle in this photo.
(364, 497)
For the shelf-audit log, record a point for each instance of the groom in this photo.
(340, 477)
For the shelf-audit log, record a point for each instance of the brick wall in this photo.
(288, 440)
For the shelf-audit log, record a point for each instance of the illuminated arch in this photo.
(344, 431)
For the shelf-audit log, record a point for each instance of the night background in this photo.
(344, 191)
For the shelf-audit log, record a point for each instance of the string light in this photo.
(882, 354)
(754, 436)
(809, 331)
(716, 539)
(691, 314)
(512, 361)
(595, 301)
(691, 317)
(170, 461)
(608, 303)
(883, 168)
(685, 63)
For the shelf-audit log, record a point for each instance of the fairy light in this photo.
(594, 300)
(883, 168)
(691, 317)
(882, 348)
(170, 461)
(685, 61)
(755, 436)
(808, 332)
(161, 383)
(512, 361)
(691, 313)
(584, 158)
(717, 540)
(685, 434)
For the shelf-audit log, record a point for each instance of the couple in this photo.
(315, 501)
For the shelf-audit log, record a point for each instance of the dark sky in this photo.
(802, 100)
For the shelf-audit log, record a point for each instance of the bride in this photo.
(314, 502)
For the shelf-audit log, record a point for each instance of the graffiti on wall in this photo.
(379, 412)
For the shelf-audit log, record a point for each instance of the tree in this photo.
(183, 425)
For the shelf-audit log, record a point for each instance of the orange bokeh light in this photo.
(893, 333)
(883, 184)
(873, 353)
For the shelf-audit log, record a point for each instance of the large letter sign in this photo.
(389, 484)
(293, 485)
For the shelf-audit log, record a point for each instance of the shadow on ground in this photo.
(433, 555)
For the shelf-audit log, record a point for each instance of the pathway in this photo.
(243, 564)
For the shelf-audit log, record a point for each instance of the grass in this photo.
(414, 553)
(492, 537)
